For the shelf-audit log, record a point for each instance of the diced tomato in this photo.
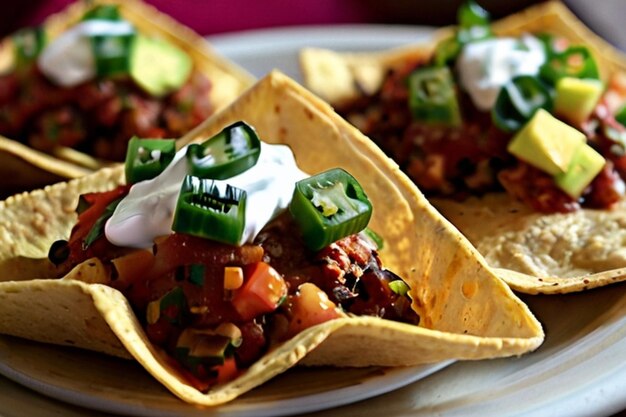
(263, 290)
(228, 371)
(308, 307)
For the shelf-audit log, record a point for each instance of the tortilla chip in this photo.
(24, 168)
(466, 311)
(535, 253)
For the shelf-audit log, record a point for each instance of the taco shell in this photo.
(534, 253)
(466, 311)
(24, 168)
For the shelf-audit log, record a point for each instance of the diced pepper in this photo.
(263, 291)
(328, 207)
(232, 151)
(147, 158)
(472, 14)
(432, 96)
(233, 277)
(211, 210)
(518, 101)
(399, 287)
(171, 306)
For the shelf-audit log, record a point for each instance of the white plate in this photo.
(579, 371)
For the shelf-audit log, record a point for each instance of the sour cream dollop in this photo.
(147, 212)
(69, 60)
(486, 66)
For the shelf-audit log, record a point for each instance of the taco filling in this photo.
(97, 84)
(221, 257)
(526, 115)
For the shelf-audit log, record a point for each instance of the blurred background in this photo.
(209, 17)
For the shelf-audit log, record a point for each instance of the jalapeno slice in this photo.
(518, 101)
(147, 158)
(27, 45)
(328, 207)
(210, 209)
(472, 14)
(575, 61)
(103, 12)
(232, 151)
(432, 96)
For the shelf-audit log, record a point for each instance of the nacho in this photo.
(465, 311)
(76, 129)
(548, 244)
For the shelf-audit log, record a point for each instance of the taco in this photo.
(464, 310)
(77, 87)
(514, 131)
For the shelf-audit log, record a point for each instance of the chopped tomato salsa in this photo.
(212, 327)
(97, 117)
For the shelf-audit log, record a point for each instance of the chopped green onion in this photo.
(173, 298)
(518, 101)
(97, 229)
(432, 96)
(196, 347)
(196, 274)
(27, 44)
(575, 61)
(232, 151)
(399, 287)
(328, 207)
(210, 209)
(147, 158)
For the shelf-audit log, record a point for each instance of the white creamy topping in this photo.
(68, 60)
(148, 210)
(486, 66)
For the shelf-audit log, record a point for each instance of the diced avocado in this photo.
(158, 66)
(577, 97)
(546, 143)
(585, 165)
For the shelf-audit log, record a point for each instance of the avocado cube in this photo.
(576, 98)
(546, 143)
(586, 164)
(158, 66)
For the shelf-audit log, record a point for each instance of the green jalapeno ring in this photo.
(575, 61)
(432, 96)
(518, 101)
(147, 158)
(27, 45)
(210, 209)
(232, 151)
(329, 206)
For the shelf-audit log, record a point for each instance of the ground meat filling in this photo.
(97, 117)
(471, 159)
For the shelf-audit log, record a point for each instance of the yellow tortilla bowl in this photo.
(534, 253)
(466, 311)
(23, 168)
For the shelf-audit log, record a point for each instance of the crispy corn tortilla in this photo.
(466, 311)
(23, 168)
(534, 253)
